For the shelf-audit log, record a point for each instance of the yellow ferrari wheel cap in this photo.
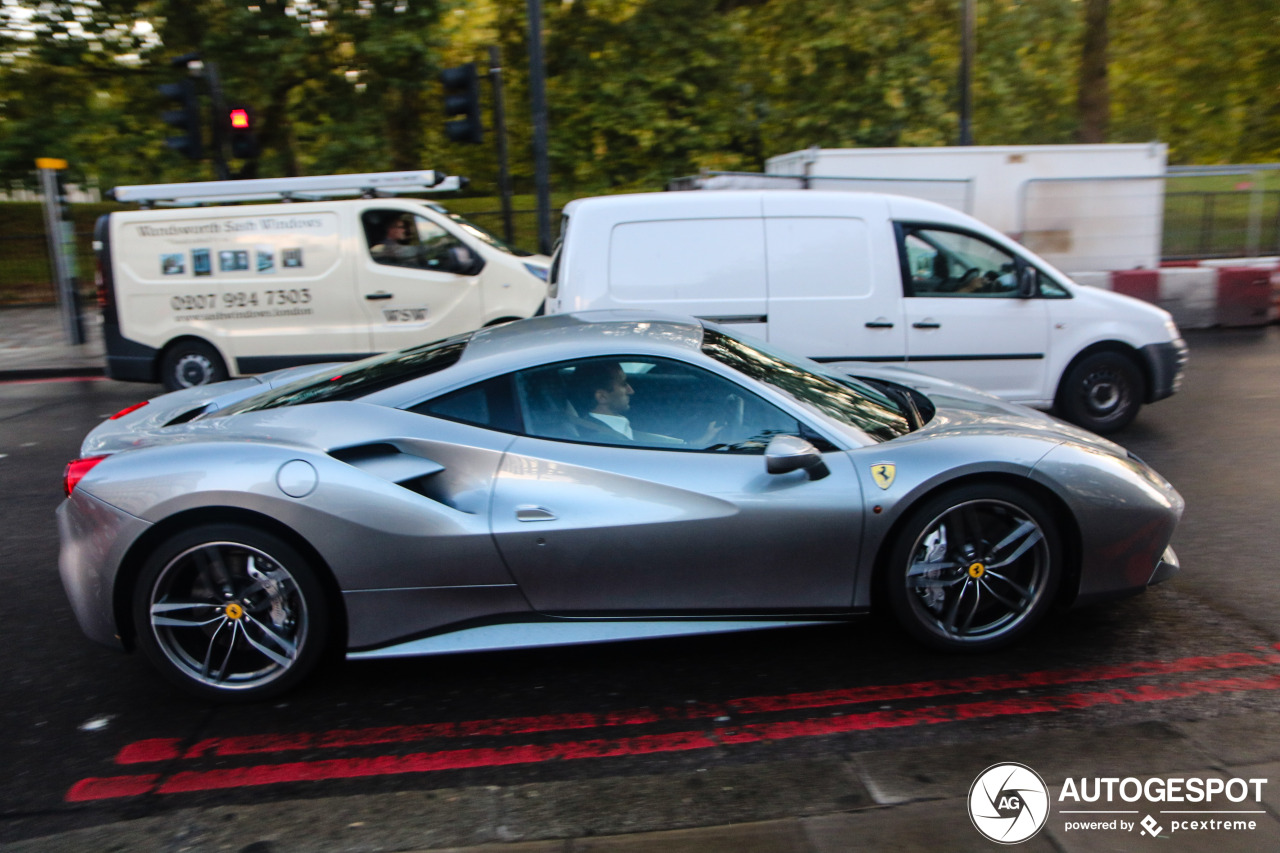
(977, 570)
(883, 474)
(234, 611)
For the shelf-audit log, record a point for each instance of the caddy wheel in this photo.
(975, 568)
(1102, 393)
(230, 613)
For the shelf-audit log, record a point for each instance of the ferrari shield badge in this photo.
(883, 474)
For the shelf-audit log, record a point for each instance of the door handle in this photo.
(373, 296)
(926, 325)
(879, 324)
(534, 513)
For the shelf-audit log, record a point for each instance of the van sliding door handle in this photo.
(372, 296)
(926, 325)
(879, 324)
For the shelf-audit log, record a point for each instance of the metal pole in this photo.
(538, 98)
(219, 110)
(500, 131)
(968, 23)
(61, 236)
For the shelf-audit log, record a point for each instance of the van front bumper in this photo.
(1165, 365)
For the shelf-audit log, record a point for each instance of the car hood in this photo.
(143, 425)
(962, 410)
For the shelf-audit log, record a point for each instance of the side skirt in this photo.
(528, 635)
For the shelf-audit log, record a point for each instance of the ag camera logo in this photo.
(1008, 803)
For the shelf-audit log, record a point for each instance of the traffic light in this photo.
(186, 118)
(462, 98)
(241, 134)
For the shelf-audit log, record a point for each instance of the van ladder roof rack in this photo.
(314, 188)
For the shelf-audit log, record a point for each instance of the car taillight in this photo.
(100, 285)
(76, 469)
(127, 409)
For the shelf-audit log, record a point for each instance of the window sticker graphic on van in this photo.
(291, 258)
(266, 261)
(233, 260)
(173, 264)
(201, 262)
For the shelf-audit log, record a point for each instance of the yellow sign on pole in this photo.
(50, 163)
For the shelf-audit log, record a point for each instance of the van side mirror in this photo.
(1028, 282)
(787, 453)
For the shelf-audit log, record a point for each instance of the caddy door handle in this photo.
(927, 324)
(373, 296)
(879, 324)
(534, 513)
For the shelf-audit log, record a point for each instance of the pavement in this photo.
(33, 344)
(913, 799)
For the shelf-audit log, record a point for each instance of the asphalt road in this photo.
(94, 736)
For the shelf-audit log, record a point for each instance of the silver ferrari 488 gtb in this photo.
(582, 478)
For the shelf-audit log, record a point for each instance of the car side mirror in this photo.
(787, 453)
(1028, 282)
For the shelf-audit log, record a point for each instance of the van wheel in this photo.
(190, 363)
(1103, 392)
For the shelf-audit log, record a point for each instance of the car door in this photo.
(965, 318)
(419, 283)
(680, 518)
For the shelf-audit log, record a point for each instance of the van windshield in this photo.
(357, 379)
(839, 397)
(479, 233)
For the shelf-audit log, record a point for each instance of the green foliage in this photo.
(639, 91)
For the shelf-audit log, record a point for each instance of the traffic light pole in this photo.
(219, 108)
(500, 131)
(538, 96)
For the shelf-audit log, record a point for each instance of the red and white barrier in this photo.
(1202, 294)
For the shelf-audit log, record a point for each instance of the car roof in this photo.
(496, 350)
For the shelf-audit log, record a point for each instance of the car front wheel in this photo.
(230, 613)
(975, 568)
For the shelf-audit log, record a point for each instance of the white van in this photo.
(844, 276)
(191, 295)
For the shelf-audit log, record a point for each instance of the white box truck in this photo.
(207, 288)
(843, 276)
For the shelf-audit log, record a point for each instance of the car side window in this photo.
(485, 404)
(940, 262)
(644, 402)
(398, 238)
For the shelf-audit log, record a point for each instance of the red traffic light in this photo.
(240, 119)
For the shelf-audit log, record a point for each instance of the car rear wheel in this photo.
(190, 363)
(1102, 393)
(975, 568)
(230, 613)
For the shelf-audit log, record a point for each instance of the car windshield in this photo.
(479, 233)
(834, 395)
(359, 378)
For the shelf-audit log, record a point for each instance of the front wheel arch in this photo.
(131, 566)
(1068, 528)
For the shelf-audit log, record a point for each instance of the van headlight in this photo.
(534, 269)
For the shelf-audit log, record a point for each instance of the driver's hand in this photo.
(713, 430)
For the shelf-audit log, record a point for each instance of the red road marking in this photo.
(355, 768)
(167, 749)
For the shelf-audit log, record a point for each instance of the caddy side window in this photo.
(941, 262)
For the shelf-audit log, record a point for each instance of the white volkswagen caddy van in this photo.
(862, 276)
(194, 294)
